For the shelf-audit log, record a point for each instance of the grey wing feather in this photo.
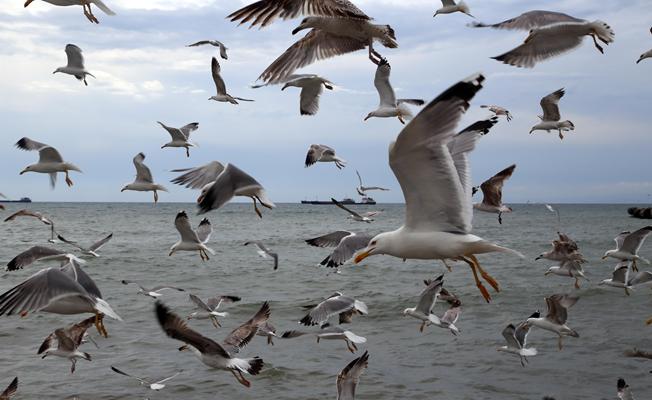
(199, 303)
(99, 244)
(75, 56)
(346, 249)
(550, 105)
(329, 240)
(28, 144)
(182, 223)
(188, 129)
(349, 376)
(428, 296)
(327, 308)
(143, 174)
(197, 178)
(30, 256)
(223, 190)
(204, 230)
(219, 82)
(542, 44)
(509, 335)
(10, 390)
(530, 20)
(76, 273)
(633, 242)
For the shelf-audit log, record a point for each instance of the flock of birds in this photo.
(429, 159)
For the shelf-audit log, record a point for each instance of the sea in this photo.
(403, 362)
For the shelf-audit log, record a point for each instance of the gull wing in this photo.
(143, 174)
(230, 181)
(10, 390)
(620, 273)
(429, 171)
(219, 82)
(323, 311)
(188, 129)
(641, 278)
(182, 223)
(99, 244)
(204, 230)
(141, 380)
(448, 3)
(340, 205)
(558, 305)
(384, 88)
(492, 188)
(521, 332)
(76, 332)
(75, 56)
(314, 153)
(264, 12)
(451, 315)
(530, 20)
(482, 126)
(621, 238)
(242, 335)
(346, 249)
(309, 98)
(329, 240)
(215, 302)
(510, 336)
(633, 242)
(30, 256)
(47, 153)
(199, 303)
(28, 144)
(76, 273)
(348, 378)
(428, 296)
(550, 105)
(197, 178)
(175, 133)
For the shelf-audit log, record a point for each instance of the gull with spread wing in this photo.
(627, 246)
(144, 181)
(222, 96)
(492, 194)
(337, 304)
(65, 342)
(346, 244)
(40, 253)
(50, 161)
(450, 6)
(330, 333)
(349, 377)
(214, 43)
(157, 385)
(516, 338)
(570, 268)
(75, 66)
(209, 309)
(555, 320)
(322, 153)
(362, 190)
(551, 119)
(92, 249)
(352, 214)
(35, 214)
(264, 251)
(312, 86)
(86, 4)
(427, 301)
(191, 240)
(153, 292)
(180, 136)
(201, 177)
(498, 110)
(242, 335)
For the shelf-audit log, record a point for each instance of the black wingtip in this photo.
(307, 321)
(162, 312)
(255, 365)
(621, 384)
(464, 89)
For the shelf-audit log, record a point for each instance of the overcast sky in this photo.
(145, 74)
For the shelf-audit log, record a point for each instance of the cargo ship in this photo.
(348, 201)
(22, 200)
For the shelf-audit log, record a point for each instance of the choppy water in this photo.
(403, 362)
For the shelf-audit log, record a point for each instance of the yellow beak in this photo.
(362, 256)
(604, 257)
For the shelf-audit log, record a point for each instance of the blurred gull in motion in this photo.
(264, 251)
(221, 96)
(50, 161)
(215, 43)
(86, 4)
(349, 377)
(209, 309)
(449, 7)
(158, 385)
(551, 117)
(92, 249)
(144, 181)
(492, 194)
(322, 153)
(153, 292)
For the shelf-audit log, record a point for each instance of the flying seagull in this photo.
(570, 268)
(431, 164)
(65, 342)
(153, 292)
(427, 300)
(209, 352)
(647, 54)
(10, 391)
(50, 161)
(363, 189)
(551, 119)
(555, 320)
(221, 96)
(192, 240)
(144, 181)
(158, 385)
(215, 43)
(449, 7)
(627, 246)
(330, 333)
(349, 377)
(180, 136)
(242, 335)
(323, 153)
(201, 177)
(92, 249)
(209, 309)
(390, 106)
(352, 214)
(564, 248)
(516, 338)
(75, 65)
(492, 192)
(86, 4)
(34, 214)
(336, 27)
(36, 253)
(498, 110)
(336, 304)
(312, 86)
(264, 251)
(346, 245)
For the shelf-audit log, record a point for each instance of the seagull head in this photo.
(608, 254)
(27, 169)
(308, 22)
(57, 70)
(376, 246)
(551, 270)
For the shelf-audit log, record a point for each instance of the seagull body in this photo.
(209, 309)
(215, 43)
(264, 251)
(647, 54)
(431, 164)
(209, 352)
(346, 244)
(627, 246)
(331, 333)
(337, 27)
(67, 342)
(563, 249)
(551, 119)
(336, 304)
(93, 249)
(352, 214)
(569, 268)
(312, 86)
(10, 391)
(349, 377)
(390, 106)
(50, 161)
(144, 181)
(153, 292)
(363, 189)
(267, 330)
(75, 65)
(192, 240)
(180, 136)
(555, 320)
(158, 385)
(498, 110)
(222, 96)
(88, 12)
(242, 335)
(492, 191)
(232, 181)
(449, 7)
(516, 338)
(323, 153)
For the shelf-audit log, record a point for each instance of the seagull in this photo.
(619, 277)
(336, 28)
(363, 189)
(323, 153)
(336, 304)
(75, 65)
(144, 181)
(158, 385)
(570, 268)
(427, 300)
(627, 246)
(348, 378)
(84, 3)
(222, 96)
(232, 181)
(208, 351)
(563, 249)
(352, 214)
(201, 177)
(390, 106)
(264, 251)
(624, 392)
(93, 249)
(50, 161)
(555, 321)
(431, 164)
(153, 292)
(215, 43)
(492, 191)
(209, 309)
(647, 54)
(34, 214)
(65, 342)
(242, 335)
(192, 240)
(36, 253)
(529, 20)
(334, 333)
(498, 110)
(10, 391)
(180, 136)
(267, 330)
(551, 118)
(312, 86)
(65, 290)
(449, 7)
(516, 338)
(346, 244)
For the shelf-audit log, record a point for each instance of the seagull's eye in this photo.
(373, 243)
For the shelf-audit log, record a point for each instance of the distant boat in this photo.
(365, 201)
(22, 200)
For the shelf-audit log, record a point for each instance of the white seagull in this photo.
(322, 153)
(555, 320)
(67, 342)
(492, 192)
(49, 162)
(209, 309)
(570, 268)
(362, 190)
(144, 181)
(36, 253)
(337, 304)
(349, 377)
(264, 251)
(352, 214)
(35, 214)
(431, 164)
(92, 249)
(86, 4)
(390, 106)
(627, 246)
(427, 300)
(449, 7)
(346, 245)
(158, 385)
(498, 110)
(331, 333)
(551, 119)
(75, 65)
(243, 334)
(215, 43)
(180, 136)
(336, 27)
(647, 54)
(222, 96)
(201, 177)
(516, 338)
(192, 240)
(153, 292)
(312, 86)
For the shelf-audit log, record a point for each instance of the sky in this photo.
(146, 74)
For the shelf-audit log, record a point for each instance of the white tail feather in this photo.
(603, 30)
(529, 352)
